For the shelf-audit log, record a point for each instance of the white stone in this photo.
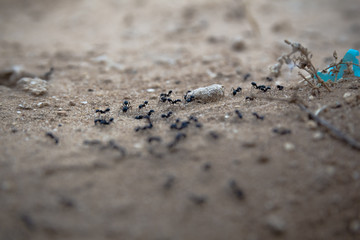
(347, 94)
(289, 146)
(350, 98)
(276, 224)
(318, 135)
(150, 90)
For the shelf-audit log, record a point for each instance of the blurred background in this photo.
(141, 25)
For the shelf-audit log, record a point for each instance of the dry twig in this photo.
(328, 126)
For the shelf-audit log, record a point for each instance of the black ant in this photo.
(112, 145)
(175, 101)
(282, 131)
(197, 124)
(166, 94)
(214, 135)
(234, 187)
(52, 136)
(166, 115)
(207, 166)
(102, 111)
(249, 98)
(145, 116)
(258, 116)
(139, 117)
(154, 139)
(178, 138)
(235, 91)
(150, 112)
(238, 113)
(103, 121)
(169, 182)
(280, 87)
(247, 76)
(185, 96)
(143, 105)
(126, 106)
(197, 199)
(190, 99)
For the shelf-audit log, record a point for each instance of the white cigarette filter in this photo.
(210, 93)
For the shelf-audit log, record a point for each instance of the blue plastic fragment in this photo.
(350, 57)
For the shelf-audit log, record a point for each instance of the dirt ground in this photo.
(231, 178)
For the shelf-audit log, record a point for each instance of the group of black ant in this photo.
(102, 120)
(260, 87)
(239, 115)
(165, 97)
(265, 88)
(179, 125)
(147, 117)
(189, 98)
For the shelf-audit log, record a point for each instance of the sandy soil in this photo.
(230, 179)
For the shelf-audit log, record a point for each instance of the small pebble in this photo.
(355, 175)
(249, 144)
(355, 226)
(42, 104)
(289, 146)
(350, 98)
(238, 44)
(318, 136)
(61, 113)
(6, 186)
(25, 107)
(276, 224)
(330, 170)
(263, 159)
(311, 124)
(84, 102)
(346, 95)
(71, 103)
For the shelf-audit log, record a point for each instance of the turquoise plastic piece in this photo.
(350, 56)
